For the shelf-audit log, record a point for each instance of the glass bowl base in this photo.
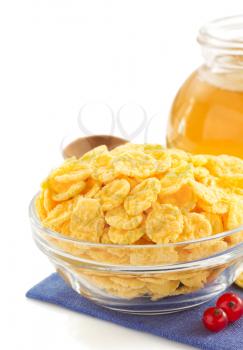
(161, 309)
(144, 305)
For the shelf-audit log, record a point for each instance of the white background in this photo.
(56, 55)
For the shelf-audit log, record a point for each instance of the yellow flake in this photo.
(91, 155)
(216, 222)
(239, 281)
(196, 226)
(119, 219)
(135, 164)
(184, 198)
(142, 196)
(72, 191)
(103, 169)
(87, 220)
(164, 223)
(113, 194)
(119, 236)
(234, 218)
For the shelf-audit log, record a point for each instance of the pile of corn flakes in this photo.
(145, 194)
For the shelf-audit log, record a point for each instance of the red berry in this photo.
(215, 319)
(232, 305)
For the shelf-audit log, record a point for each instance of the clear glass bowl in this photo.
(144, 279)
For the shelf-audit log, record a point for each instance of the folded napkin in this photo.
(184, 327)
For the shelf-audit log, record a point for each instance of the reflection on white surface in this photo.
(84, 332)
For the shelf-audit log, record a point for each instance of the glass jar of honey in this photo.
(207, 113)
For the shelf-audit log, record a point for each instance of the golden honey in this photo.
(207, 119)
(207, 113)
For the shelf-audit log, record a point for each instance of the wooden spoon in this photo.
(84, 144)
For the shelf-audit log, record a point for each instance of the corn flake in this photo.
(58, 215)
(239, 281)
(162, 288)
(119, 236)
(48, 202)
(224, 165)
(127, 147)
(90, 156)
(113, 194)
(216, 222)
(87, 220)
(74, 176)
(135, 164)
(119, 219)
(164, 223)
(196, 226)
(103, 169)
(92, 188)
(234, 218)
(72, 191)
(160, 154)
(175, 178)
(142, 196)
(184, 198)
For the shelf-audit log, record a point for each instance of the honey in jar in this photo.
(207, 113)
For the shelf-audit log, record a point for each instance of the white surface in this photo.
(55, 56)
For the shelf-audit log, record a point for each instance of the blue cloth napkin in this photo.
(184, 327)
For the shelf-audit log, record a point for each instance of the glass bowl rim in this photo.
(54, 234)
